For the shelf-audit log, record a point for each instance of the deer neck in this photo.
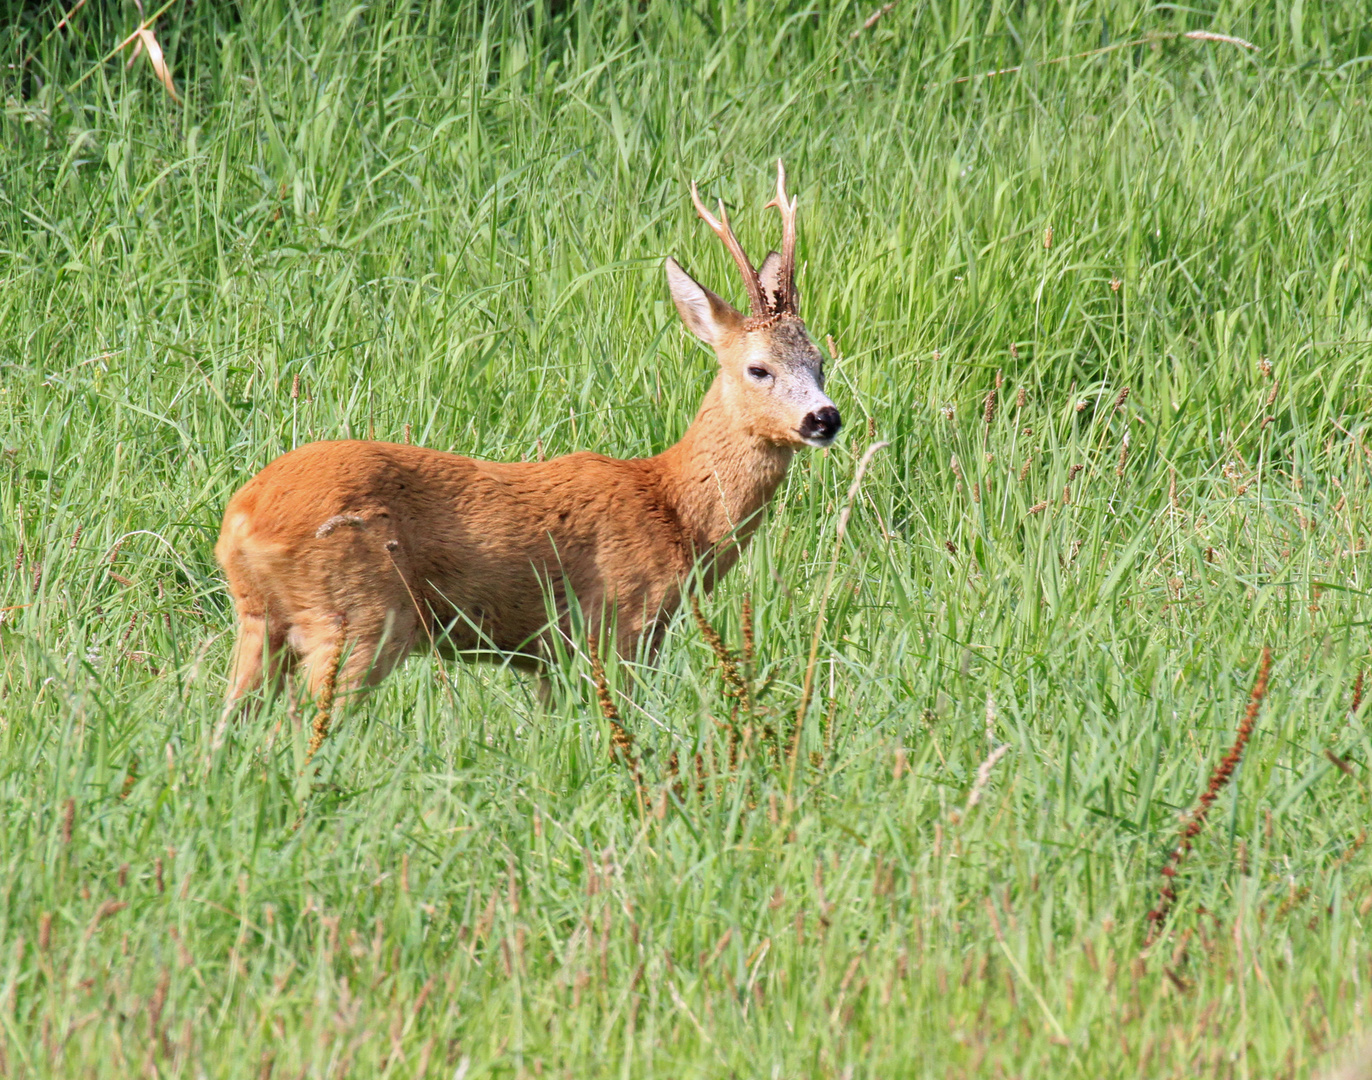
(718, 478)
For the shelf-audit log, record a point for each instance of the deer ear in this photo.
(706, 315)
(772, 286)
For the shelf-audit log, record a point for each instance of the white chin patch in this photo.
(819, 444)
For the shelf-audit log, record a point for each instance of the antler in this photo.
(721, 227)
(787, 301)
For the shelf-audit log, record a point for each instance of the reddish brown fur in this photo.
(385, 547)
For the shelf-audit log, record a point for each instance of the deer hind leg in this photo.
(342, 655)
(349, 651)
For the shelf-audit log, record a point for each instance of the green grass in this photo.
(369, 217)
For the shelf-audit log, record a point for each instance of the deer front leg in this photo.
(257, 650)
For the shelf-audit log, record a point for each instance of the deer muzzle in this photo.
(819, 428)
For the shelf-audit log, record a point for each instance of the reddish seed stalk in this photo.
(1218, 779)
(324, 706)
(620, 739)
(68, 820)
(728, 666)
(750, 648)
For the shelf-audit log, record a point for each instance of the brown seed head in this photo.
(1218, 779)
(728, 666)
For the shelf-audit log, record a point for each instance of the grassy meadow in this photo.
(1110, 312)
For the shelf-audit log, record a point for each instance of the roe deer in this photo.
(344, 556)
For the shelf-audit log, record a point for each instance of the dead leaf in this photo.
(148, 40)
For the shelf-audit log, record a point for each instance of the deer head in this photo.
(771, 374)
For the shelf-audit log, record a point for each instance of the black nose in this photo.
(821, 424)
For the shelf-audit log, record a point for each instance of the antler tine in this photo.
(724, 232)
(787, 209)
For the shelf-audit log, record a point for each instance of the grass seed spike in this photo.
(1218, 779)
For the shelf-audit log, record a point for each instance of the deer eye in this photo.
(756, 371)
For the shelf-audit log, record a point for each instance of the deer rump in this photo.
(395, 547)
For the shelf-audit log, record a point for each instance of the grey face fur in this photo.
(782, 363)
(771, 371)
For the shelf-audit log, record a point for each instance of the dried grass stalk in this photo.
(1193, 35)
(984, 775)
(871, 21)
